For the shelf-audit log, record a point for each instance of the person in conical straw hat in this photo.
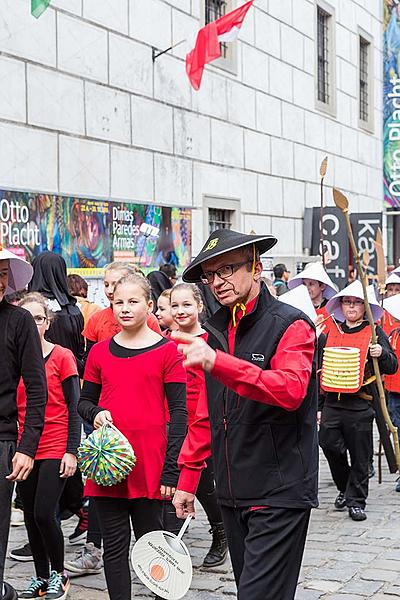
(392, 284)
(391, 306)
(348, 389)
(260, 367)
(319, 285)
(392, 288)
(21, 355)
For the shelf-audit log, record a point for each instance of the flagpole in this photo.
(156, 54)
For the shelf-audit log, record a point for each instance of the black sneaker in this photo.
(340, 502)
(79, 535)
(357, 513)
(58, 586)
(37, 588)
(23, 554)
(9, 592)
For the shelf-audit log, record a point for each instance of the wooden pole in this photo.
(322, 172)
(342, 203)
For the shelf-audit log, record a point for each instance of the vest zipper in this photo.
(225, 421)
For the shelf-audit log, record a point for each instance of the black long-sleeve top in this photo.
(71, 390)
(21, 355)
(387, 365)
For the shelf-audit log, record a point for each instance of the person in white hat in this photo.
(21, 353)
(392, 288)
(347, 413)
(391, 306)
(392, 284)
(319, 285)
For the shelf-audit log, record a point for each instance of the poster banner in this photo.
(365, 227)
(391, 103)
(150, 235)
(89, 234)
(335, 243)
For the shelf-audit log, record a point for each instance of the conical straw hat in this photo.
(355, 290)
(300, 298)
(20, 272)
(315, 271)
(392, 305)
(393, 278)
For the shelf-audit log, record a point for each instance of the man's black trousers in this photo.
(343, 430)
(266, 547)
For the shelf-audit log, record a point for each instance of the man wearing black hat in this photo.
(261, 410)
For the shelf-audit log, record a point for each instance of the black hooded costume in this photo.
(50, 280)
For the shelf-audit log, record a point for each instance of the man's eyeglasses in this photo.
(223, 272)
(39, 319)
(347, 302)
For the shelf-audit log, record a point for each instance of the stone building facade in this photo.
(85, 111)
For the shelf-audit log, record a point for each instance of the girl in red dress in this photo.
(55, 459)
(186, 307)
(126, 381)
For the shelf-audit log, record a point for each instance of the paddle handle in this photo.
(184, 527)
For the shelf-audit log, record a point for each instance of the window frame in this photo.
(220, 203)
(228, 63)
(330, 106)
(368, 124)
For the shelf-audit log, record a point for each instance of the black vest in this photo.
(263, 455)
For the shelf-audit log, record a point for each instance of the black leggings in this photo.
(206, 495)
(115, 515)
(93, 533)
(40, 495)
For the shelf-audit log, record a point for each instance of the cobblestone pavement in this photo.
(344, 560)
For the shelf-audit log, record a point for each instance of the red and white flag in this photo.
(207, 47)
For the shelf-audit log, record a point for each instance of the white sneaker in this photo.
(17, 517)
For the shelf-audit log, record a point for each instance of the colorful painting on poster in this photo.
(391, 103)
(150, 235)
(91, 233)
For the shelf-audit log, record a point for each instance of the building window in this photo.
(323, 55)
(219, 218)
(365, 95)
(214, 9)
(325, 58)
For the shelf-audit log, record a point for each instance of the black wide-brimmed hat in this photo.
(221, 241)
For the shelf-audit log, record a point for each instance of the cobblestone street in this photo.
(344, 560)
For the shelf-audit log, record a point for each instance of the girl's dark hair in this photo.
(192, 287)
(168, 270)
(39, 299)
(136, 279)
(77, 285)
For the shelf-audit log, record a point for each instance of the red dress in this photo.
(60, 365)
(133, 392)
